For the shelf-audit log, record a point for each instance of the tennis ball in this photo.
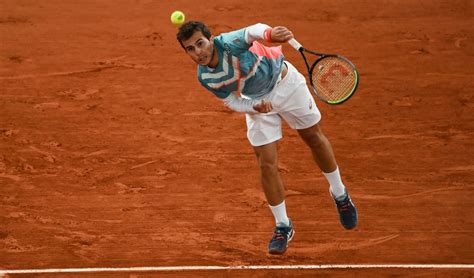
(177, 17)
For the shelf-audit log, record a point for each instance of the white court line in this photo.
(236, 267)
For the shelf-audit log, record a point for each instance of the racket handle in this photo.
(296, 45)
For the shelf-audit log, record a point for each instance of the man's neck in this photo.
(215, 58)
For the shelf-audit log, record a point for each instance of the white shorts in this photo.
(291, 101)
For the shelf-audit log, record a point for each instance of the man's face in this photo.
(199, 48)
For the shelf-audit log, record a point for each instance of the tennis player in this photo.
(257, 80)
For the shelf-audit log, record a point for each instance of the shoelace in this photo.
(279, 235)
(344, 207)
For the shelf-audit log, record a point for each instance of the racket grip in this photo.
(296, 45)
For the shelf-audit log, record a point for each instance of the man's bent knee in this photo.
(313, 135)
(267, 157)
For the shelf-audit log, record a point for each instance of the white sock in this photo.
(279, 212)
(335, 183)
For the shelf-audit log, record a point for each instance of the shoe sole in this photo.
(349, 228)
(278, 252)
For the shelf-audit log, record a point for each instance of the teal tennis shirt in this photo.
(249, 69)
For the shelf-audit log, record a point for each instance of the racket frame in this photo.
(296, 45)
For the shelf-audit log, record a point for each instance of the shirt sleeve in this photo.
(234, 41)
(218, 93)
(257, 32)
(241, 40)
(239, 104)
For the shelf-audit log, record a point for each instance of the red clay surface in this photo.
(112, 155)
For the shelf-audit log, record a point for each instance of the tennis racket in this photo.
(334, 79)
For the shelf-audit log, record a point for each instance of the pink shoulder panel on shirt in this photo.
(269, 52)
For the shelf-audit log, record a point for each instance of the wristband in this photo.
(267, 34)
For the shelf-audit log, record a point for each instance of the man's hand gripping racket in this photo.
(334, 79)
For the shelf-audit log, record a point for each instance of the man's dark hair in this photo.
(187, 30)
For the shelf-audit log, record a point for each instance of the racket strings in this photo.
(334, 79)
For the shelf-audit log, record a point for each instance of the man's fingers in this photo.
(281, 33)
(268, 106)
(263, 107)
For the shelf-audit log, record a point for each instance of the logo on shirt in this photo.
(226, 48)
(310, 104)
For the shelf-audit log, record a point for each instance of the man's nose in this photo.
(198, 50)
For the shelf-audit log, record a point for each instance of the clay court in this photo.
(113, 156)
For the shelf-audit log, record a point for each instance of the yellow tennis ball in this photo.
(177, 17)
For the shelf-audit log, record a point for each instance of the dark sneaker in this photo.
(347, 211)
(281, 236)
